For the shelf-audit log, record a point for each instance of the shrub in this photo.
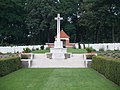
(89, 50)
(37, 48)
(109, 67)
(8, 65)
(26, 50)
(116, 49)
(42, 47)
(48, 48)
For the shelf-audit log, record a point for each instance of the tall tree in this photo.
(41, 15)
(85, 21)
(101, 17)
(39, 19)
(11, 22)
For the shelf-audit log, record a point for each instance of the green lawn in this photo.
(70, 50)
(56, 79)
(76, 51)
(41, 51)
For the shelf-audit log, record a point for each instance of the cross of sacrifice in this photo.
(58, 18)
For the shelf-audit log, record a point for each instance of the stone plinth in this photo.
(58, 44)
(58, 53)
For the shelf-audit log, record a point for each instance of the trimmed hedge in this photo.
(8, 65)
(109, 67)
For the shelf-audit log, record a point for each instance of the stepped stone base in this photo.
(76, 61)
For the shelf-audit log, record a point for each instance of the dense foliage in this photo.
(109, 67)
(8, 65)
(26, 50)
(85, 21)
(12, 24)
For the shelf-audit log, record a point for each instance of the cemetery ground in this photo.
(56, 79)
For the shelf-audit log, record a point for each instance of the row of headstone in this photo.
(14, 49)
(105, 46)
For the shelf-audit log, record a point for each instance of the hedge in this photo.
(109, 67)
(8, 65)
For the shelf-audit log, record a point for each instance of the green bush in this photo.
(109, 67)
(26, 50)
(42, 47)
(8, 65)
(37, 49)
(89, 50)
(48, 48)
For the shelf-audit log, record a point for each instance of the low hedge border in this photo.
(109, 67)
(8, 65)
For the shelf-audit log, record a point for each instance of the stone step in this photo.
(57, 63)
(39, 56)
(40, 61)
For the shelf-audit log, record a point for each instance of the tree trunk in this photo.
(97, 36)
(113, 35)
(2, 42)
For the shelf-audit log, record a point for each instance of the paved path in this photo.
(40, 61)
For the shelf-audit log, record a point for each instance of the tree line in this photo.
(28, 22)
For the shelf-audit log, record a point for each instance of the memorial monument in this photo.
(58, 52)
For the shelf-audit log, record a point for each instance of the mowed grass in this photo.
(76, 51)
(41, 51)
(56, 79)
(69, 50)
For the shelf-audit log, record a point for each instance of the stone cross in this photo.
(58, 18)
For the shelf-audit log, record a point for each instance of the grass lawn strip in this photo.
(76, 51)
(41, 51)
(56, 79)
(69, 50)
